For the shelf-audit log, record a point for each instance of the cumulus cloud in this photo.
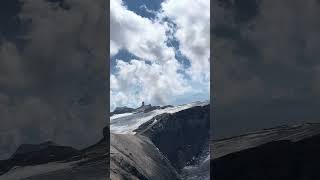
(248, 48)
(266, 67)
(153, 83)
(156, 75)
(141, 36)
(52, 86)
(193, 33)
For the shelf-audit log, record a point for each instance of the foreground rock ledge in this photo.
(283, 153)
(136, 158)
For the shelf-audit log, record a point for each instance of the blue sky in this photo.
(138, 6)
(160, 52)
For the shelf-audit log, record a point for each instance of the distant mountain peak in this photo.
(121, 110)
(142, 108)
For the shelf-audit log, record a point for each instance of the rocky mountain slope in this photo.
(281, 153)
(136, 158)
(50, 161)
(150, 142)
(179, 134)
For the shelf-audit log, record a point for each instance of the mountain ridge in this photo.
(280, 153)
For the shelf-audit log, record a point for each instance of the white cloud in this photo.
(141, 36)
(138, 81)
(193, 33)
(153, 77)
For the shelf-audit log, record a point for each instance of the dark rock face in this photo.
(58, 162)
(136, 158)
(167, 106)
(227, 146)
(33, 154)
(4, 166)
(294, 156)
(106, 132)
(146, 108)
(179, 136)
(143, 108)
(281, 160)
(120, 110)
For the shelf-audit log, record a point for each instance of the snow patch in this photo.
(128, 122)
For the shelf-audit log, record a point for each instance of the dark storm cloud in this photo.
(53, 87)
(266, 55)
(10, 25)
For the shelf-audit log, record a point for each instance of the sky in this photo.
(266, 64)
(159, 51)
(52, 72)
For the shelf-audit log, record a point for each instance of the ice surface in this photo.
(200, 170)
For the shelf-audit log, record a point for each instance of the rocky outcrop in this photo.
(142, 109)
(136, 158)
(146, 108)
(180, 136)
(283, 153)
(33, 154)
(50, 161)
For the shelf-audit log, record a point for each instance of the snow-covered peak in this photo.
(128, 122)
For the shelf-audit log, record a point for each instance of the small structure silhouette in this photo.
(142, 104)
